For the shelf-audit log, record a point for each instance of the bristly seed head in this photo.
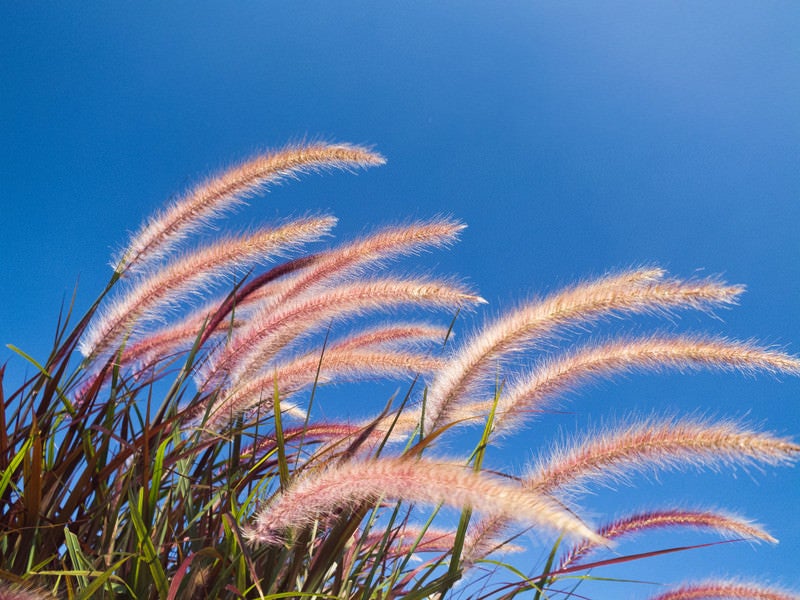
(652, 444)
(350, 484)
(219, 194)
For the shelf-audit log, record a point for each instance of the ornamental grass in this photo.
(170, 446)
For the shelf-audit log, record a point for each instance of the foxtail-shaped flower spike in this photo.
(181, 277)
(723, 523)
(412, 539)
(484, 537)
(559, 375)
(162, 343)
(632, 292)
(348, 365)
(655, 445)
(211, 319)
(390, 336)
(352, 258)
(310, 433)
(726, 590)
(393, 427)
(293, 376)
(638, 448)
(353, 483)
(219, 194)
(267, 334)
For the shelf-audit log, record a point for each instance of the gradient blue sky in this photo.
(571, 137)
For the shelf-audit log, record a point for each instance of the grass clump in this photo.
(169, 447)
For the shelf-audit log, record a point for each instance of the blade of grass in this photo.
(384, 545)
(46, 375)
(109, 574)
(158, 472)
(454, 570)
(300, 595)
(79, 561)
(30, 359)
(631, 557)
(233, 528)
(183, 569)
(407, 558)
(283, 465)
(32, 473)
(9, 471)
(3, 426)
(540, 584)
(150, 556)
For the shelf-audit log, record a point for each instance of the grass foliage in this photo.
(169, 445)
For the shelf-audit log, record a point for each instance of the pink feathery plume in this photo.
(614, 454)
(16, 592)
(416, 539)
(213, 318)
(334, 437)
(726, 590)
(410, 538)
(484, 537)
(253, 346)
(353, 483)
(390, 336)
(219, 194)
(160, 344)
(173, 282)
(557, 376)
(723, 523)
(291, 377)
(631, 292)
(373, 250)
(389, 428)
(343, 262)
(344, 365)
(311, 433)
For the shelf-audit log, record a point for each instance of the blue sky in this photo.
(572, 138)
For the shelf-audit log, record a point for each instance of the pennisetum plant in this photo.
(170, 447)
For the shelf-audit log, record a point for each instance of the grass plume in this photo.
(353, 483)
(658, 444)
(185, 275)
(219, 194)
(725, 590)
(722, 523)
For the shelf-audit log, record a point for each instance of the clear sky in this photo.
(572, 138)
